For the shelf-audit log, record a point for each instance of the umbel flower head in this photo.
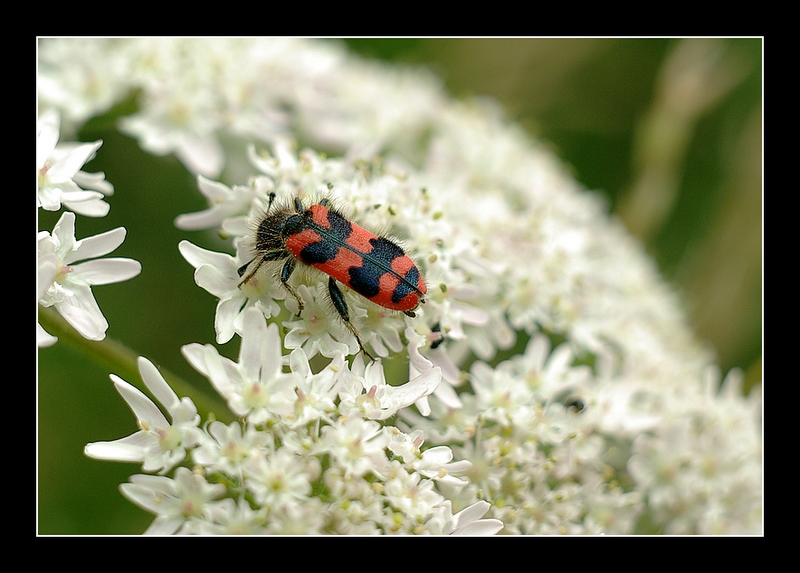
(616, 429)
(67, 270)
(159, 445)
(61, 283)
(307, 455)
(59, 175)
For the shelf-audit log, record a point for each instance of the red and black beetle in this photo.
(319, 236)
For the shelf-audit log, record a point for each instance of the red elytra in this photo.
(372, 266)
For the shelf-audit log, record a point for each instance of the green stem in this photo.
(122, 361)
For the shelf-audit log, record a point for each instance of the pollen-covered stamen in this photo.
(234, 451)
(303, 401)
(315, 319)
(44, 178)
(193, 506)
(369, 400)
(255, 395)
(169, 438)
(62, 271)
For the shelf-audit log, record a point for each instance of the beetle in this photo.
(321, 237)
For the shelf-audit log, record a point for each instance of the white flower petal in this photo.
(71, 162)
(43, 339)
(438, 455)
(157, 385)
(92, 208)
(214, 191)
(213, 280)
(397, 397)
(197, 256)
(49, 198)
(48, 265)
(424, 406)
(146, 491)
(206, 360)
(225, 317)
(468, 522)
(211, 217)
(47, 133)
(82, 312)
(161, 525)
(259, 354)
(449, 397)
(123, 450)
(236, 226)
(142, 407)
(202, 155)
(64, 232)
(106, 271)
(96, 246)
(80, 196)
(94, 181)
(481, 527)
(194, 354)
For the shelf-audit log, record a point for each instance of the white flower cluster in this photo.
(561, 448)
(619, 429)
(308, 455)
(62, 281)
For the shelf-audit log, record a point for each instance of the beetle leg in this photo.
(286, 272)
(252, 272)
(273, 256)
(341, 307)
(240, 271)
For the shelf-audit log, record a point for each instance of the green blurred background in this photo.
(669, 131)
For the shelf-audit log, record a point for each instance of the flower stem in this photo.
(122, 361)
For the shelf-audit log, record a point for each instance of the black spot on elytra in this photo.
(326, 249)
(403, 288)
(365, 280)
